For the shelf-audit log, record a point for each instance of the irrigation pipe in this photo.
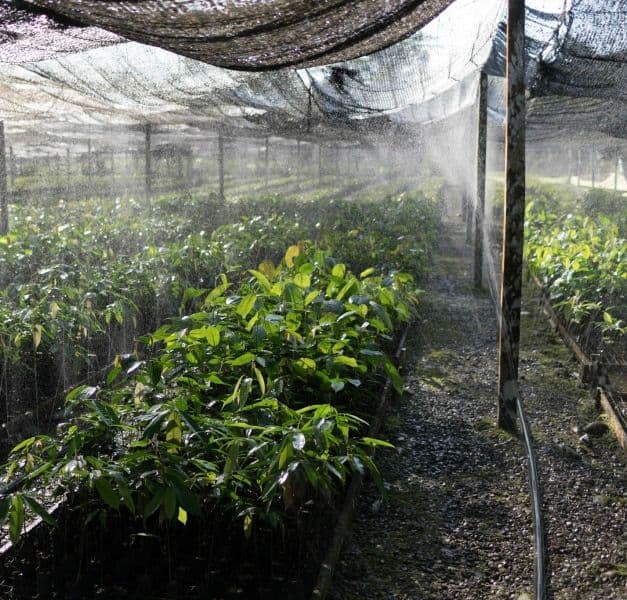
(325, 575)
(540, 559)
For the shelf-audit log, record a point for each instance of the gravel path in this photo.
(456, 523)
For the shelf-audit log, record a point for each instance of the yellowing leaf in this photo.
(260, 379)
(182, 516)
(139, 393)
(302, 280)
(291, 253)
(267, 268)
(36, 336)
(54, 309)
(248, 525)
(339, 270)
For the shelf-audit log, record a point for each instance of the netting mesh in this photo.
(257, 35)
(75, 79)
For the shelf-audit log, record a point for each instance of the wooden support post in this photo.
(482, 144)
(616, 169)
(4, 192)
(266, 162)
(514, 219)
(148, 165)
(221, 169)
(470, 217)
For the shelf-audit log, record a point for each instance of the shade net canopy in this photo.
(360, 69)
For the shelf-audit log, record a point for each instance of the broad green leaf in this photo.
(366, 273)
(103, 486)
(16, 518)
(397, 380)
(311, 296)
(169, 503)
(39, 510)
(348, 361)
(374, 442)
(246, 305)
(243, 359)
(261, 278)
(339, 270)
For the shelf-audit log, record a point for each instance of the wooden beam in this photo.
(617, 422)
(4, 192)
(482, 144)
(513, 219)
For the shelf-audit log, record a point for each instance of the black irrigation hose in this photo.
(540, 559)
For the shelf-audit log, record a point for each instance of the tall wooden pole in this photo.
(513, 219)
(482, 144)
(470, 216)
(4, 193)
(148, 165)
(221, 168)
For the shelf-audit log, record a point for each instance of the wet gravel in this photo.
(456, 522)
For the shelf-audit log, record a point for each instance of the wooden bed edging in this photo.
(591, 372)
